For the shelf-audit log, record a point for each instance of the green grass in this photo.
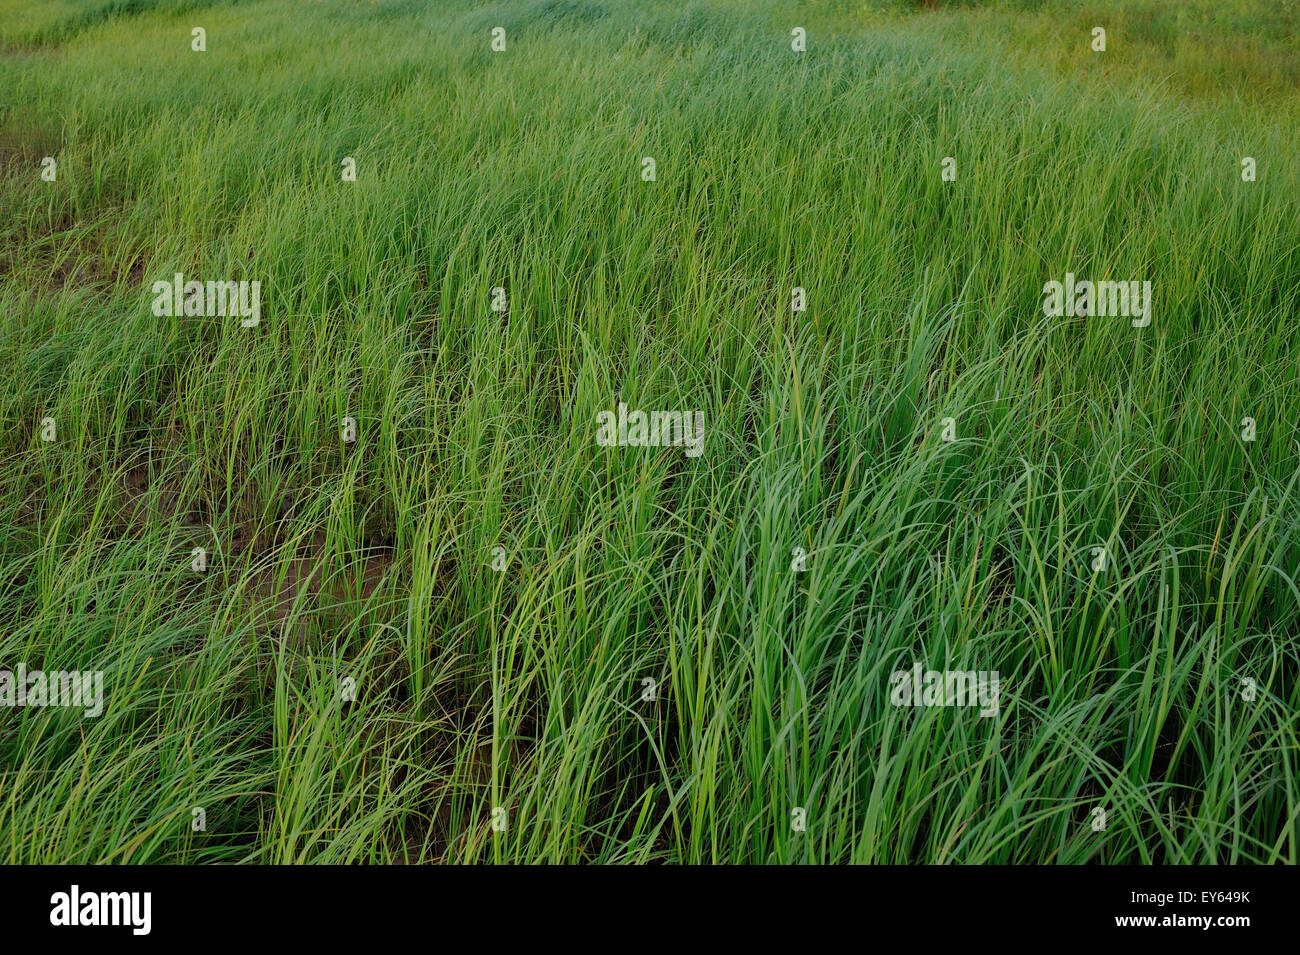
(522, 689)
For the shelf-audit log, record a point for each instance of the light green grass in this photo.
(522, 689)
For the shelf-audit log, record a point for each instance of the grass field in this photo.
(441, 620)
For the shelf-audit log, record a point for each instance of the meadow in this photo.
(364, 584)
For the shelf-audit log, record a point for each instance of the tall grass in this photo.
(522, 690)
